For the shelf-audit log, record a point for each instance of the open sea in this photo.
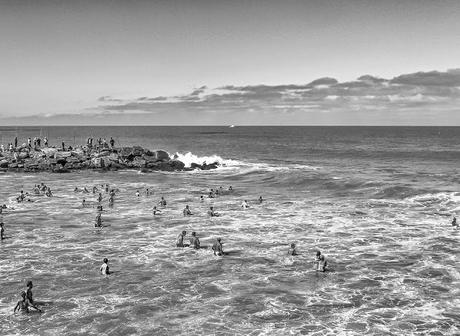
(376, 201)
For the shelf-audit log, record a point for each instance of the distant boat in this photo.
(231, 126)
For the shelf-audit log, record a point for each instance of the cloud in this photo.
(417, 98)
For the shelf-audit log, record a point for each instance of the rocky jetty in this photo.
(60, 161)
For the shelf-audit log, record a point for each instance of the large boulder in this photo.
(161, 155)
(49, 152)
(4, 164)
(176, 164)
(23, 155)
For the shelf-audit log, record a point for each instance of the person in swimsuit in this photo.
(194, 241)
(24, 304)
(186, 211)
(320, 262)
(98, 222)
(212, 213)
(162, 202)
(180, 239)
(156, 211)
(217, 247)
(104, 269)
(292, 250)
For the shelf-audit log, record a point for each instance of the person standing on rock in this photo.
(16, 142)
(63, 146)
(45, 141)
(112, 142)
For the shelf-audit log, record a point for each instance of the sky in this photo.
(203, 62)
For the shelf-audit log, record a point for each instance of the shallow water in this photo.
(380, 215)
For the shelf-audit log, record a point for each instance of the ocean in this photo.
(376, 201)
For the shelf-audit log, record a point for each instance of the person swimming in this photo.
(217, 247)
(201, 198)
(99, 198)
(245, 204)
(86, 191)
(186, 211)
(137, 193)
(260, 199)
(194, 241)
(212, 213)
(454, 222)
(292, 250)
(180, 239)
(104, 269)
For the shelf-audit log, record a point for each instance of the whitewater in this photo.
(377, 202)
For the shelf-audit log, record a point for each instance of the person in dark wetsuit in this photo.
(2, 231)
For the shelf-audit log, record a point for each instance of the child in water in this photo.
(24, 304)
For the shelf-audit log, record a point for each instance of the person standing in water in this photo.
(29, 294)
(212, 213)
(186, 211)
(162, 202)
(454, 222)
(156, 211)
(104, 269)
(217, 247)
(194, 241)
(320, 262)
(180, 239)
(292, 250)
(2, 231)
(98, 222)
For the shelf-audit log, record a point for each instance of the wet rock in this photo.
(4, 164)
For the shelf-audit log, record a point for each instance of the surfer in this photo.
(217, 247)
(180, 239)
(187, 211)
(104, 269)
(212, 213)
(2, 231)
(194, 241)
(292, 250)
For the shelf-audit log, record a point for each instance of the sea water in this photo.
(376, 201)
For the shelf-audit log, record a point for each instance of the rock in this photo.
(161, 155)
(176, 164)
(23, 155)
(49, 152)
(4, 164)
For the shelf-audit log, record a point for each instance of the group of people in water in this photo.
(27, 303)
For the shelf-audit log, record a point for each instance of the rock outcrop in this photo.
(59, 161)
